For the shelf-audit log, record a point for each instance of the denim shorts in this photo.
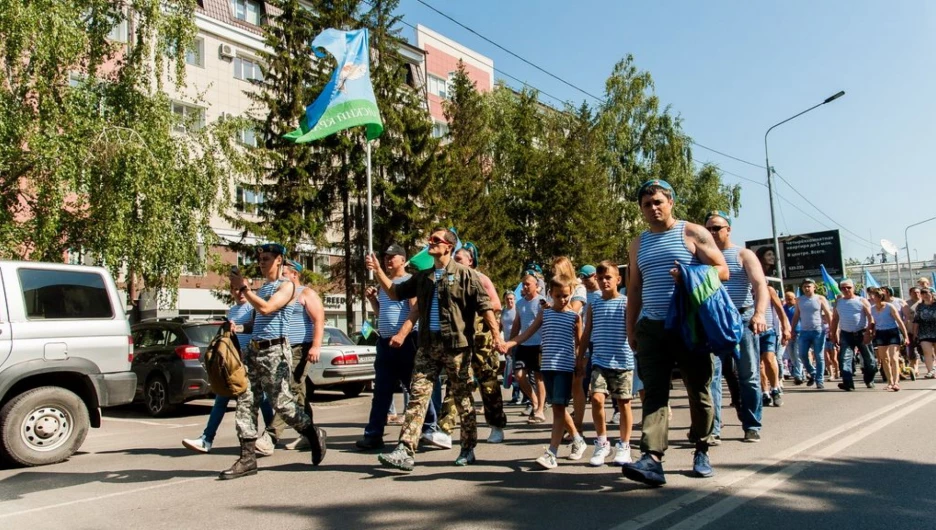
(558, 387)
(768, 341)
(887, 337)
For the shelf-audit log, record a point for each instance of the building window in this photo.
(439, 86)
(248, 200)
(440, 129)
(118, 33)
(195, 55)
(189, 116)
(247, 70)
(317, 263)
(247, 10)
(247, 137)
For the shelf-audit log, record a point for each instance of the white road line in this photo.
(708, 487)
(101, 497)
(748, 493)
(153, 423)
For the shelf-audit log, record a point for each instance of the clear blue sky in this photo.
(732, 69)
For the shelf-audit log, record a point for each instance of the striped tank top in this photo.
(738, 284)
(300, 324)
(883, 319)
(609, 334)
(434, 322)
(241, 314)
(851, 314)
(558, 331)
(276, 324)
(393, 313)
(810, 313)
(656, 256)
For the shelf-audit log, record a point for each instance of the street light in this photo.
(773, 221)
(908, 246)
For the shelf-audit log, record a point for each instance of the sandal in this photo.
(534, 419)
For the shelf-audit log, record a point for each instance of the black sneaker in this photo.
(369, 443)
(751, 436)
(797, 382)
(810, 381)
(401, 458)
(646, 471)
(465, 458)
(777, 398)
(845, 387)
(766, 400)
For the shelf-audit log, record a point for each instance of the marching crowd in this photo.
(571, 338)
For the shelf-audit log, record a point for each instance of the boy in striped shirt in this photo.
(561, 334)
(612, 364)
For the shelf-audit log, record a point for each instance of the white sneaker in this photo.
(615, 419)
(264, 445)
(601, 453)
(437, 439)
(298, 444)
(577, 448)
(622, 454)
(199, 445)
(496, 436)
(548, 460)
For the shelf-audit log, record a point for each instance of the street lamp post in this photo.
(906, 242)
(773, 221)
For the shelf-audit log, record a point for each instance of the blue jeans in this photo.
(791, 352)
(392, 367)
(220, 408)
(849, 343)
(815, 340)
(751, 406)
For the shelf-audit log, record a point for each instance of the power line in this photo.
(541, 69)
(804, 212)
(820, 210)
(759, 183)
(727, 155)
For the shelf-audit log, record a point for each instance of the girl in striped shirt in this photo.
(561, 333)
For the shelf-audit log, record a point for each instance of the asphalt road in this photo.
(827, 460)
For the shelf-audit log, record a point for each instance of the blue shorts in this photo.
(887, 337)
(558, 387)
(768, 341)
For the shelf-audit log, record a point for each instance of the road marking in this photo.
(102, 497)
(152, 423)
(748, 493)
(709, 487)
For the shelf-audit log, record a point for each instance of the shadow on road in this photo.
(29, 481)
(202, 407)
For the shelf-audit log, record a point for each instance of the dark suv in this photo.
(168, 362)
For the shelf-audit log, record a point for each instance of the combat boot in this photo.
(246, 465)
(317, 438)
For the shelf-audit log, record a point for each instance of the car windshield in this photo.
(336, 337)
(201, 334)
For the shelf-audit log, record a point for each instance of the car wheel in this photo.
(43, 426)
(353, 389)
(156, 396)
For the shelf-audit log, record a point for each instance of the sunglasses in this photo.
(848, 287)
(716, 229)
(437, 241)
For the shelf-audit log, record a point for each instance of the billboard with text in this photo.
(801, 255)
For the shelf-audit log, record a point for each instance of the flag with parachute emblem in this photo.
(348, 98)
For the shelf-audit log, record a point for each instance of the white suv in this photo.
(65, 352)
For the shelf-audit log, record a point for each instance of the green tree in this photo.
(92, 158)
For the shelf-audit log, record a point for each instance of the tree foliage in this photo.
(92, 158)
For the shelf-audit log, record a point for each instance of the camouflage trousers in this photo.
(429, 364)
(485, 364)
(268, 370)
(298, 388)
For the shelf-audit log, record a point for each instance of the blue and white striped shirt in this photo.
(526, 313)
(558, 331)
(656, 256)
(434, 324)
(276, 324)
(393, 313)
(241, 315)
(738, 284)
(851, 314)
(609, 334)
(301, 327)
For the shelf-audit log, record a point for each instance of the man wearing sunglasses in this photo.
(850, 329)
(448, 298)
(748, 289)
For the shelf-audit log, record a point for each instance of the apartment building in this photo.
(220, 66)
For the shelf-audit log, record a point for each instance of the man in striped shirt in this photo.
(652, 258)
(267, 361)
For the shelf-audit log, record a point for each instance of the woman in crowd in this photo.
(889, 335)
(924, 329)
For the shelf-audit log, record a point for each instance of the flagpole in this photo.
(370, 206)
